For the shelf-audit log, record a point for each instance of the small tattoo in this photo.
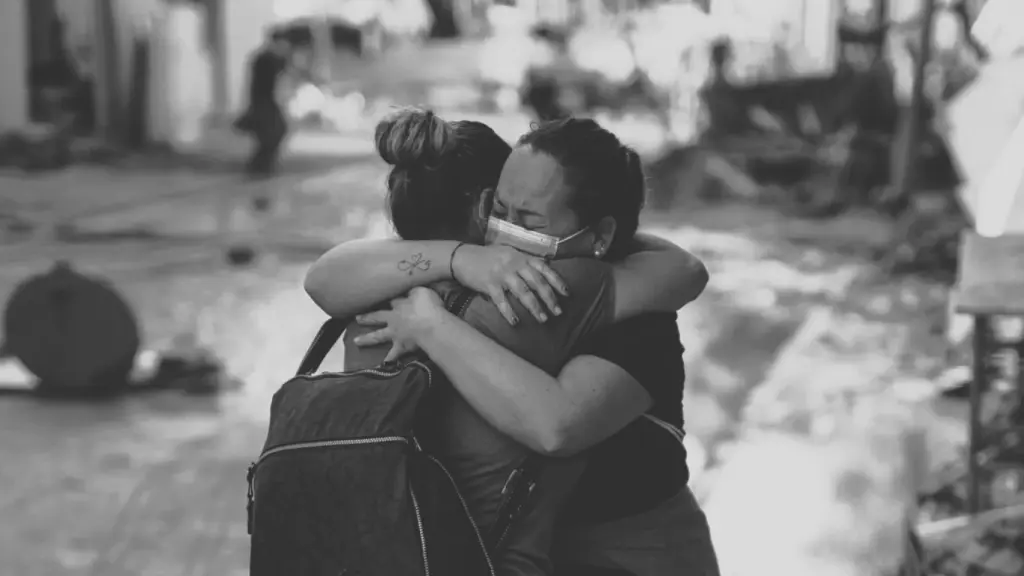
(414, 263)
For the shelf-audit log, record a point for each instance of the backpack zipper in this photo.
(465, 507)
(382, 371)
(327, 444)
(251, 477)
(250, 474)
(385, 370)
(422, 532)
(462, 302)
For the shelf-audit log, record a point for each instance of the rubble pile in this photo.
(774, 129)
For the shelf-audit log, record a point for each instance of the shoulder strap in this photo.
(324, 341)
(332, 329)
(515, 497)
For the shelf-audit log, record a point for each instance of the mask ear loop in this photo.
(597, 248)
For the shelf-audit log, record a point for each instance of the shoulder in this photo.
(549, 345)
(589, 280)
(582, 268)
(591, 296)
(652, 331)
(646, 346)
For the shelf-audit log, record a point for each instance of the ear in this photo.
(483, 208)
(604, 232)
(478, 214)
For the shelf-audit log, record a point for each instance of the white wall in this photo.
(13, 64)
(820, 22)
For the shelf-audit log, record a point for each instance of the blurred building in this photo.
(114, 53)
(13, 69)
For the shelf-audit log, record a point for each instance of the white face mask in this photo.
(535, 243)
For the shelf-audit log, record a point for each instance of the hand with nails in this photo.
(498, 270)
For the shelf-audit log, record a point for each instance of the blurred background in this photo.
(848, 169)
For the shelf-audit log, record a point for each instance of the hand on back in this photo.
(497, 270)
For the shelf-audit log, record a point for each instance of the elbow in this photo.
(701, 277)
(557, 441)
(317, 285)
(695, 280)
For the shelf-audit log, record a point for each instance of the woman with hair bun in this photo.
(582, 366)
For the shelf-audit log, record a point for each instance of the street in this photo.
(154, 484)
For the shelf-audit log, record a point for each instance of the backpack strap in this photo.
(333, 328)
(322, 344)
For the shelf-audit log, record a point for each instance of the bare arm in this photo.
(590, 400)
(354, 276)
(359, 274)
(656, 276)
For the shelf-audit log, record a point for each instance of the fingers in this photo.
(382, 336)
(518, 287)
(378, 318)
(550, 276)
(539, 285)
(396, 352)
(498, 298)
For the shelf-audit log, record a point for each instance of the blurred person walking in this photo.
(264, 118)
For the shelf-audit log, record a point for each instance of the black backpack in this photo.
(343, 487)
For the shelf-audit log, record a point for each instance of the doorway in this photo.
(61, 83)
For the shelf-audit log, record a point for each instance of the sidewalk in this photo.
(155, 485)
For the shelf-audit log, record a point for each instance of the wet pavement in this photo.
(154, 484)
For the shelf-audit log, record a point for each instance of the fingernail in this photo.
(515, 320)
(557, 311)
(543, 317)
(359, 318)
(358, 340)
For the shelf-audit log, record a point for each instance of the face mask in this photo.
(535, 243)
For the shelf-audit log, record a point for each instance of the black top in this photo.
(266, 69)
(642, 465)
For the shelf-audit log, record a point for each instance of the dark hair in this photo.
(439, 170)
(606, 177)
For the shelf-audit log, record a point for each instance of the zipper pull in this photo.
(250, 500)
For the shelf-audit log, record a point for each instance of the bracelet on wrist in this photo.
(451, 260)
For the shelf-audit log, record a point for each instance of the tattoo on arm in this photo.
(413, 263)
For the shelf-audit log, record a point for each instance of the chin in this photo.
(821, 490)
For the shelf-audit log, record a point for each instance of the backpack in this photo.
(344, 487)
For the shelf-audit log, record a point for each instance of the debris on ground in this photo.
(191, 367)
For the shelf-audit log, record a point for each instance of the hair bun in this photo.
(413, 138)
